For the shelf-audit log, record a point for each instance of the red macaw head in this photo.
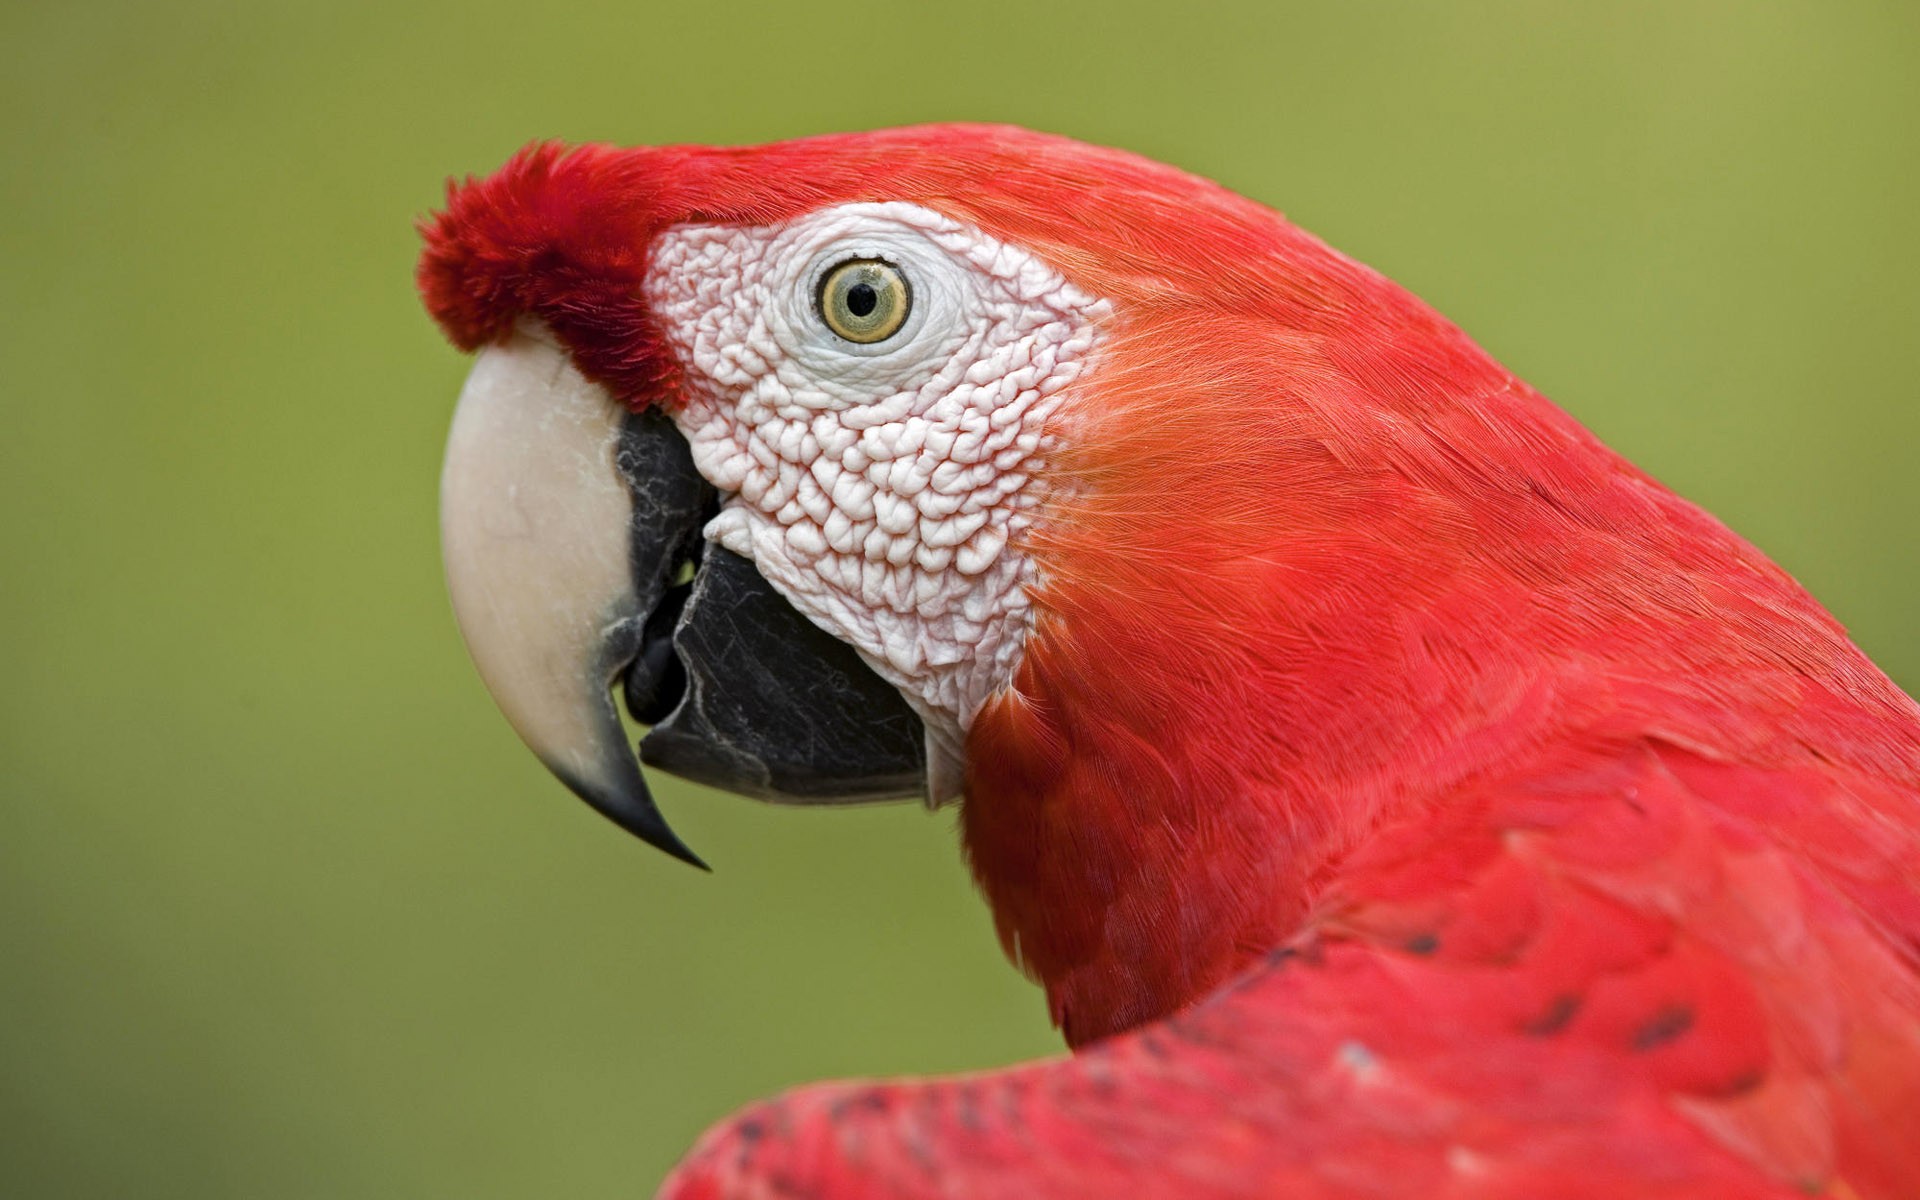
(965, 460)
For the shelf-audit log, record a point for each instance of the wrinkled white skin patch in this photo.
(884, 488)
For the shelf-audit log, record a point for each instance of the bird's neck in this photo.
(1151, 811)
(1212, 711)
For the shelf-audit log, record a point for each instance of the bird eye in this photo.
(864, 300)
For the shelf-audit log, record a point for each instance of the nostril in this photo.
(657, 681)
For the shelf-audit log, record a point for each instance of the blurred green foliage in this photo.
(284, 908)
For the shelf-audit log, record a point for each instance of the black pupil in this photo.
(862, 299)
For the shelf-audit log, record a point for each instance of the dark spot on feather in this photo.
(1555, 1018)
(1666, 1025)
(750, 1131)
(1010, 1090)
(1746, 1081)
(866, 1100)
(1100, 1082)
(1202, 1026)
(1423, 944)
(966, 1106)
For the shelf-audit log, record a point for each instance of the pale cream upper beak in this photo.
(535, 523)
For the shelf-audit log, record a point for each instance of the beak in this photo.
(569, 525)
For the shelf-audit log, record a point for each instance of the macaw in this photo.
(1395, 792)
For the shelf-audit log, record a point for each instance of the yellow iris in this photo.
(865, 300)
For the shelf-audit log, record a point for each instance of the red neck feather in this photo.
(1309, 569)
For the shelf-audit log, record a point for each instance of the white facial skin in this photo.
(883, 488)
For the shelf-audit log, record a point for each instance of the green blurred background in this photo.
(286, 911)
